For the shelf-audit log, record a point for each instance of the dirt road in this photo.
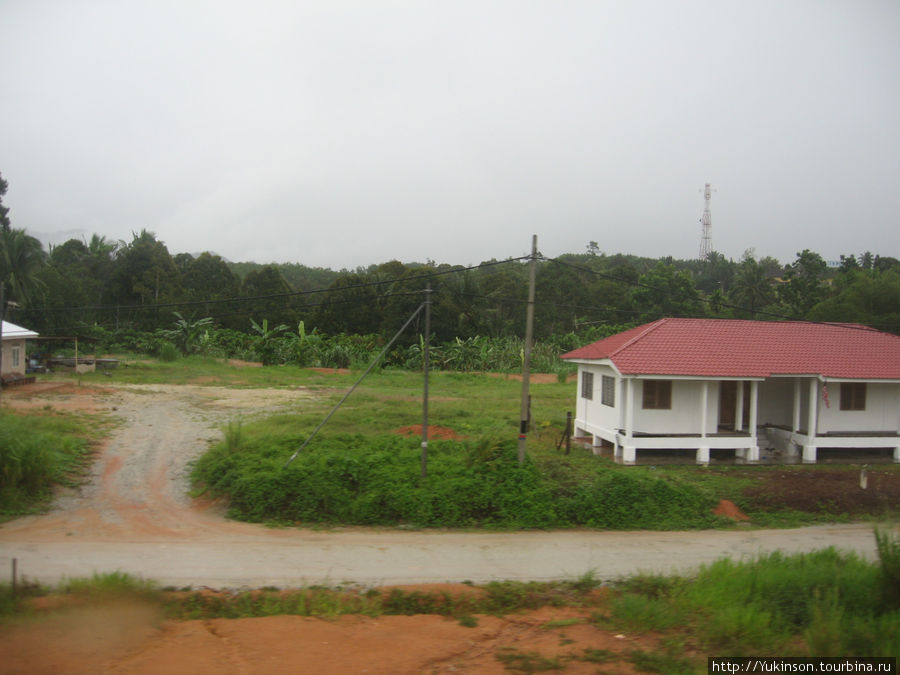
(134, 515)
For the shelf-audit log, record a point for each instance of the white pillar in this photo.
(897, 454)
(704, 401)
(809, 450)
(703, 455)
(739, 407)
(629, 409)
(628, 451)
(796, 425)
(753, 423)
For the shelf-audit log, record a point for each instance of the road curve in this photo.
(132, 515)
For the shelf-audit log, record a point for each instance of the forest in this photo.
(138, 296)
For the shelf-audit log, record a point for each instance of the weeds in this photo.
(36, 453)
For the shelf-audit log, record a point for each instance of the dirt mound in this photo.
(438, 433)
(728, 509)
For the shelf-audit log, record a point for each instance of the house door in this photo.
(728, 404)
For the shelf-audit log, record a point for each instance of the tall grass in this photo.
(376, 480)
(823, 603)
(36, 452)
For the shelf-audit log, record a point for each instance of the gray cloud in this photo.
(346, 133)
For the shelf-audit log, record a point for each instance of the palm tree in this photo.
(21, 257)
(752, 289)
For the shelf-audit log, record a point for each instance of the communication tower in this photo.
(706, 224)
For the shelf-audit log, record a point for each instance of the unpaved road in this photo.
(133, 515)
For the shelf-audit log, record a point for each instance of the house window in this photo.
(658, 394)
(608, 391)
(587, 385)
(853, 396)
(16, 357)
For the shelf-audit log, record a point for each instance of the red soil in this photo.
(436, 432)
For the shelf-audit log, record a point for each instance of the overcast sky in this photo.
(339, 134)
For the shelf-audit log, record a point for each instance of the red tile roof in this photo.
(734, 348)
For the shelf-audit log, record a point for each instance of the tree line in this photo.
(82, 286)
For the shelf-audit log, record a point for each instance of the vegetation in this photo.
(38, 452)
(83, 287)
(832, 603)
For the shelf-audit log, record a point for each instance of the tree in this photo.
(752, 289)
(145, 275)
(869, 297)
(189, 336)
(21, 259)
(4, 210)
(208, 278)
(664, 292)
(264, 282)
(805, 283)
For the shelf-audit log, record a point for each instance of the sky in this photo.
(345, 133)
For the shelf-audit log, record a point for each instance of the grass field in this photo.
(368, 473)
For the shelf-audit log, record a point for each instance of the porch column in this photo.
(809, 450)
(739, 407)
(792, 449)
(703, 450)
(629, 451)
(753, 424)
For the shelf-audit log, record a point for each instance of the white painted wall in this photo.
(7, 357)
(684, 416)
(882, 411)
(593, 412)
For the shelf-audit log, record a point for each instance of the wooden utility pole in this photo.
(425, 367)
(526, 365)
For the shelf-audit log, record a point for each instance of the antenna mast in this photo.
(706, 224)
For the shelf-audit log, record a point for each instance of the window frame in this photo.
(853, 396)
(587, 385)
(608, 391)
(656, 395)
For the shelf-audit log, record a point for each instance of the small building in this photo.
(710, 384)
(13, 344)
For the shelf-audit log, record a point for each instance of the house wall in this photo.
(882, 411)
(592, 411)
(776, 401)
(684, 415)
(8, 368)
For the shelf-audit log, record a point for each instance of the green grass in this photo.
(823, 603)
(39, 451)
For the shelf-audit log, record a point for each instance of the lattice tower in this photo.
(706, 224)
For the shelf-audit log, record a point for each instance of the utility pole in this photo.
(526, 365)
(425, 367)
(2, 318)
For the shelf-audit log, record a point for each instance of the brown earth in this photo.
(728, 509)
(133, 637)
(826, 490)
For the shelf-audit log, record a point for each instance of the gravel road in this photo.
(134, 515)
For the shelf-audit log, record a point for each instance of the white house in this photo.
(705, 384)
(13, 345)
